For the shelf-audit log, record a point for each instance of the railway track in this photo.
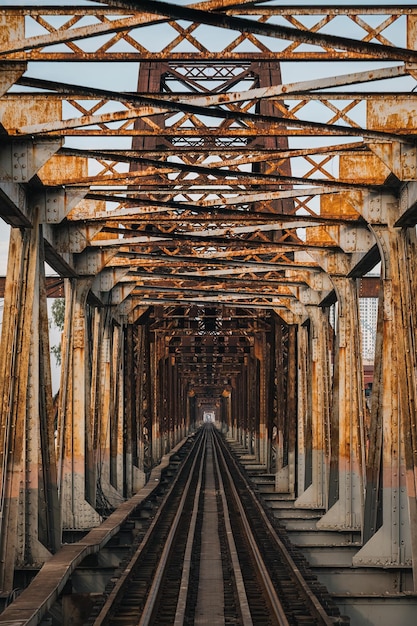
(212, 555)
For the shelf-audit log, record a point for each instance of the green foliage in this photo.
(58, 317)
(56, 351)
(58, 313)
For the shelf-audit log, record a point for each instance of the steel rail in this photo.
(186, 569)
(312, 600)
(153, 595)
(240, 585)
(119, 587)
(263, 575)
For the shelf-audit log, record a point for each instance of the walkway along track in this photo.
(208, 554)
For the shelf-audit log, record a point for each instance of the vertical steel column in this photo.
(130, 454)
(225, 409)
(110, 419)
(164, 408)
(285, 375)
(188, 410)
(314, 352)
(247, 403)
(291, 407)
(181, 404)
(92, 434)
(143, 406)
(193, 411)
(161, 383)
(241, 402)
(157, 350)
(74, 410)
(272, 402)
(28, 496)
(15, 343)
(118, 408)
(42, 489)
(303, 406)
(281, 475)
(392, 535)
(170, 405)
(182, 395)
(136, 414)
(346, 475)
(234, 409)
(260, 398)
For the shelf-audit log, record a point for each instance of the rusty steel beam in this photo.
(158, 103)
(54, 286)
(214, 170)
(161, 238)
(161, 98)
(379, 51)
(182, 278)
(215, 300)
(135, 259)
(268, 124)
(369, 287)
(221, 292)
(346, 9)
(163, 57)
(227, 21)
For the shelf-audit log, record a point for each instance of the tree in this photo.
(58, 317)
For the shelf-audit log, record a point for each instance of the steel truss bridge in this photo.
(210, 182)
